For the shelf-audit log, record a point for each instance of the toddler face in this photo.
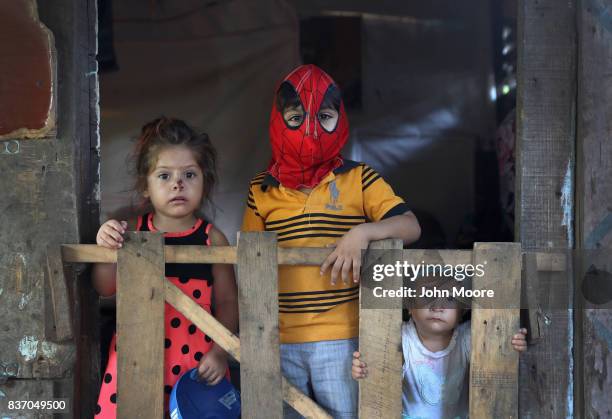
(435, 320)
(175, 185)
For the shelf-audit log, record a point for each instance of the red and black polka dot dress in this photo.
(184, 343)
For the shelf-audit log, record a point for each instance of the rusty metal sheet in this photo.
(27, 72)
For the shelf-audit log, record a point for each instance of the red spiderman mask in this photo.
(306, 139)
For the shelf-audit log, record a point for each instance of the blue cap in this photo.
(194, 399)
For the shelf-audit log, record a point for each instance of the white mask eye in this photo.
(294, 116)
(328, 114)
(328, 118)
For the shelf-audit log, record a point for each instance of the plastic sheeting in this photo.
(426, 109)
(425, 97)
(214, 66)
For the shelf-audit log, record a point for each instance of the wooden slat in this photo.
(87, 253)
(546, 117)
(302, 403)
(203, 320)
(313, 256)
(230, 342)
(140, 318)
(452, 257)
(207, 254)
(494, 363)
(551, 262)
(260, 373)
(303, 255)
(593, 343)
(59, 294)
(530, 293)
(380, 394)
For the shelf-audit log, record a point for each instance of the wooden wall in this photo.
(49, 197)
(565, 198)
(544, 197)
(594, 200)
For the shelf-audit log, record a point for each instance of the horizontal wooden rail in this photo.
(91, 253)
(383, 325)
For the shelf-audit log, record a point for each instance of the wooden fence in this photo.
(142, 290)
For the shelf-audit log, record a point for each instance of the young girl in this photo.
(436, 348)
(175, 169)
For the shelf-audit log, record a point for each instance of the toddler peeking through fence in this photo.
(436, 345)
(175, 174)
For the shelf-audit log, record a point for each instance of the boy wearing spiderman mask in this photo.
(312, 197)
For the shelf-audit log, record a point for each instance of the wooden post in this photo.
(260, 373)
(140, 318)
(594, 202)
(41, 204)
(546, 103)
(494, 364)
(380, 343)
(60, 299)
(529, 291)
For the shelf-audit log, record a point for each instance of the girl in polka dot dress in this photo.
(175, 170)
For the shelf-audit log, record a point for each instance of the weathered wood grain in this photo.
(140, 318)
(40, 206)
(260, 373)
(593, 342)
(494, 363)
(546, 93)
(380, 343)
(91, 253)
(62, 306)
(531, 297)
(230, 342)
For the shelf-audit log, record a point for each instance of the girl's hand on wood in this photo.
(110, 234)
(359, 369)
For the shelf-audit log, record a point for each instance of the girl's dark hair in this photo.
(166, 132)
(287, 97)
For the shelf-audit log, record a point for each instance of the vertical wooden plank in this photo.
(260, 373)
(87, 188)
(546, 102)
(530, 296)
(140, 324)
(60, 301)
(494, 364)
(594, 199)
(380, 343)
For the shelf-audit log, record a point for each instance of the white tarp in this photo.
(215, 67)
(425, 95)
